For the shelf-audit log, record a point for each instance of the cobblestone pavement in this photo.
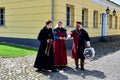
(105, 66)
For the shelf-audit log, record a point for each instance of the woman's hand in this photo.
(61, 38)
(64, 38)
(69, 36)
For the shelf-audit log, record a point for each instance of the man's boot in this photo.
(82, 65)
(76, 63)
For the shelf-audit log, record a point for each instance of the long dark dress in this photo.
(44, 61)
(60, 52)
(79, 39)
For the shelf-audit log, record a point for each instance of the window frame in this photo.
(2, 16)
(85, 17)
(95, 19)
(68, 15)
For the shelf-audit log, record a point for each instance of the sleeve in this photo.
(87, 38)
(55, 35)
(41, 37)
(88, 43)
(71, 34)
(65, 35)
(52, 36)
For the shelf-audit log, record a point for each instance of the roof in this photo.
(108, 3)
(114, 3)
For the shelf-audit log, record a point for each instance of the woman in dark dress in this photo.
(45, 56)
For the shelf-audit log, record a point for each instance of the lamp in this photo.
(107, 10)
(114, 12)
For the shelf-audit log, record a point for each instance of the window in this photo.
(107, 19)
(100, 18)
(69, 15)
(110, 21)
(116, 21)
(2, 16)
(95, 19)
(85, 17)
(68, 20)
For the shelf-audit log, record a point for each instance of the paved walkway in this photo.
(105, 66)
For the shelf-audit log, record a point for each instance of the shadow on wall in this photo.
(32, 43)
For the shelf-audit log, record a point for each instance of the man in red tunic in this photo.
(60, 53)
(80, 40)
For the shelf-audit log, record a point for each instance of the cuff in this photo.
(88, 43)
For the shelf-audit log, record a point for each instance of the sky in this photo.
(116, 1)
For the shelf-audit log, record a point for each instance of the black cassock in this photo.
(44, 61)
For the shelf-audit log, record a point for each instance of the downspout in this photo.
(53, 14)
(104, 27)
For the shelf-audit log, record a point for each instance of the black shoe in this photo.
(82, 69)
(55, 70)
(76, 67)
(38, 70)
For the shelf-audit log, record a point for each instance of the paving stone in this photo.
(104, 66)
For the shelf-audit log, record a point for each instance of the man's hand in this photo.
(69, 36)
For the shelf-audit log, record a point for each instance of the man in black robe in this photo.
(45, 56)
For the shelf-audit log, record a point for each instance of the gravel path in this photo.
(105, 66)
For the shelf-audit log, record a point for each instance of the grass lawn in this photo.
(7, 50)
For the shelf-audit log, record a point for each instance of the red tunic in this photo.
(79, 39)
(74, 45)
(60, 53)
